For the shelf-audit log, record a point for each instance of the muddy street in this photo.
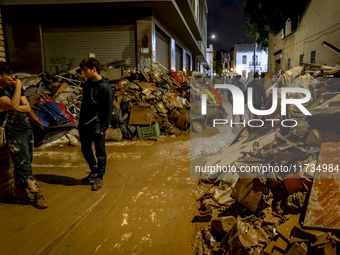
(145, 206)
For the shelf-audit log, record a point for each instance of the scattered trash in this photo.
(292, 212)
(141, 99)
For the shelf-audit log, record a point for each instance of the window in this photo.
(301, 58)
(288, 63)
(312, 57)
(244, 74)
(244, 59)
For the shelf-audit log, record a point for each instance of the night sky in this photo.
(226, 22)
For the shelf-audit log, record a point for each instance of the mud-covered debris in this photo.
(248, 192)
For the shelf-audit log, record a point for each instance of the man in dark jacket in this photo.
(259, 94)
(238, 83)
(19, 135)
(95, 117)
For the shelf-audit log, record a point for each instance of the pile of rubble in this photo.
(146, 105)
(293, 210)
(158, 98)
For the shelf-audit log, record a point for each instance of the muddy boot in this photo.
(89, 179)
(34, 193)
(39, 201)
(98, 184)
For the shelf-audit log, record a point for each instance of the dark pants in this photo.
(87, 138)
(21, 148)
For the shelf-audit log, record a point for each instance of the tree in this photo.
(225, 58)
(228, 61)
(269, 16)
(219, 70)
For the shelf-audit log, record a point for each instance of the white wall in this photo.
(209, 57)
(262, 58)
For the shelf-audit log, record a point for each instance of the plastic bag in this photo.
(125, 131)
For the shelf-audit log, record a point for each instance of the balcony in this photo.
(256, 63)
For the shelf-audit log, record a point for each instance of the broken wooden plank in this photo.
(60, 89)
(323, 209)
(146, 85)
(331, 46)
(285, 229)
(145, 75)
(332, 71)
(141, 116)
(311, 64)
(175, 82)
(330, 95)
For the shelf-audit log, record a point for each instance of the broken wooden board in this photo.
(285, 229)
(317, 137)
(141, 116)
(146, 85)
(145, 75)
(323, 209)
(332, 71)
(175, 82)
(329, 95)
(298, 249)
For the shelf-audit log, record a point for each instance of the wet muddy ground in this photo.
(145, 206)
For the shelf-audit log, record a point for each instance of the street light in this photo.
(213, 36)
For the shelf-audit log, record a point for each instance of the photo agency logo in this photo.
(239, 108)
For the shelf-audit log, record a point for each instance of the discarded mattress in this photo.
(49, 113)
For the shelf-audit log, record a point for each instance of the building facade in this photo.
(210, 60)
(319, 23)
(244, 60)
(55, 35)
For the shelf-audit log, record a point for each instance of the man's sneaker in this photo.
(39, 201)
(89, 179)
(98, 184)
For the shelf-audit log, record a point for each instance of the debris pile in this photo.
(146, 104)
(156, 97)
(285, 200)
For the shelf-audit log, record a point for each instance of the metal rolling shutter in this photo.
(178, 58)
(66, 47)
(162, 49)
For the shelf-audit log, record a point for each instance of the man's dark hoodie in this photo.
(97, 105)
(259, 93)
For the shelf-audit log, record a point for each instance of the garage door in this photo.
(66, 47)
(162, 49)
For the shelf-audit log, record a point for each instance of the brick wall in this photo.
(6, 165)
(2, 41)
(6, 172)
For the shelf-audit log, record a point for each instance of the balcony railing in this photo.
(256, 63)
